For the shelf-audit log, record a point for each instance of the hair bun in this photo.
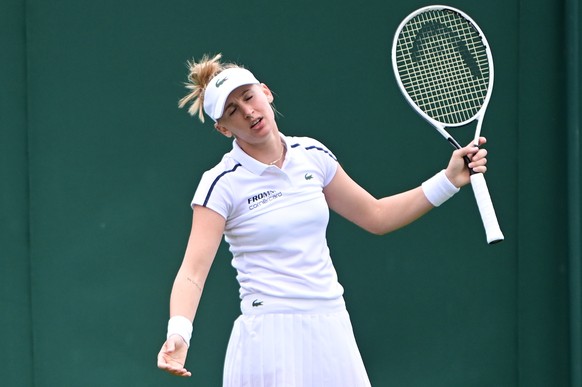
(199, 75)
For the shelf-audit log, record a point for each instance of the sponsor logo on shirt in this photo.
(263, 198)
(257, 303)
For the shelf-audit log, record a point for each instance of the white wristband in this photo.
(438, 189)
(181, 326)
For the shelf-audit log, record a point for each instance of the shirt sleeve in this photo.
(212, 192)
(326, 160)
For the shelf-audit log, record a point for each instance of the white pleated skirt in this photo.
(293, 343)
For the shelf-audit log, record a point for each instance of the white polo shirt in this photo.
(276, 219)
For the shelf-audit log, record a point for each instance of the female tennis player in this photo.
(270, 198)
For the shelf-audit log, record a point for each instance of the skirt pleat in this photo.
(294, 350)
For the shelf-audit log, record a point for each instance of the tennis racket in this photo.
(444, 68)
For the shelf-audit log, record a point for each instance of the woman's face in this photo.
(248, 115)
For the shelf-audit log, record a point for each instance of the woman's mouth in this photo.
(256, 122)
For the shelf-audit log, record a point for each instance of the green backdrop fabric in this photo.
(98, 166)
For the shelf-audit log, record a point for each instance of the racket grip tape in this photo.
(492, 229)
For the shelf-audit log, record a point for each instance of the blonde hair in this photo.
(199, 75)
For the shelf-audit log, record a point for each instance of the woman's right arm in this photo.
(205, 236)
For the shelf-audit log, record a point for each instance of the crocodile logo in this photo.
(308, 176)
(257, 303)
(221, 81)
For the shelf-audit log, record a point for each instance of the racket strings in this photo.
(443, 65)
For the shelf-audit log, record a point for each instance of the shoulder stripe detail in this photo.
(322, 150)
(216, 181)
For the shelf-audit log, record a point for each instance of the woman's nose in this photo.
(248, 110)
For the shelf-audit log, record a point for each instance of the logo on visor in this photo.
(221, 81)
(257, 303)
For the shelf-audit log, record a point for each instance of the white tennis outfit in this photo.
(294, 329)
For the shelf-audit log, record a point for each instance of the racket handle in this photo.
(492, 230)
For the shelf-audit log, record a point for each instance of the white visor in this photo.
(220, 87)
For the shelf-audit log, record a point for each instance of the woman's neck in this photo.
(270, 153)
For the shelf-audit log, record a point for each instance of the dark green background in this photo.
(98, 166)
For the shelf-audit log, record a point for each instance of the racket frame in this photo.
(440, 126)
(493, 231)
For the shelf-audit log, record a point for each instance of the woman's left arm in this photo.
(381, 216)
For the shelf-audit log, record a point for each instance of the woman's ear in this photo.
(223, 130)
(267, 92)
